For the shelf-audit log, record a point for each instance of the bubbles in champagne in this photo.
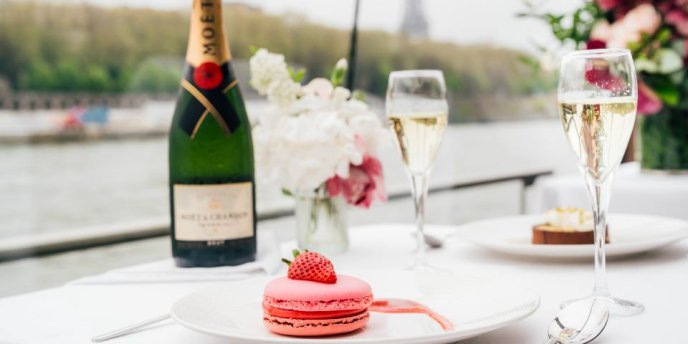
(598, 132)
(418, 136)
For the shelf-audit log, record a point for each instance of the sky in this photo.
(459, 21)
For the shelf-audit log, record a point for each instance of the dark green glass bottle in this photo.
(212, 190)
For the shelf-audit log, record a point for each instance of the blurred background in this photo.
(87, 91)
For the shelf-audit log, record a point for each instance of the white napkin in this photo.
(164, 271)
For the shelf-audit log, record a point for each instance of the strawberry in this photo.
(311, 266)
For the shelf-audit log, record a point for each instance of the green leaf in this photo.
(663, 35)
(295, 253)
(576, 27)
(337, 77)
(667, 91)
(287, 193)
(297, 75)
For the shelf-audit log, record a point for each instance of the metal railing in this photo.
(14, 248)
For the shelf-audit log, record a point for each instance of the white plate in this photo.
(628, 234)
(476, 304)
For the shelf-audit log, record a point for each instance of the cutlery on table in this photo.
(579, 322)
(130, 328)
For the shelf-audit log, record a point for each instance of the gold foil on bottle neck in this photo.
(207, 41)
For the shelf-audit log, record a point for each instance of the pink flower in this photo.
(621, 7)
(601, 31)
(679, 20)
(607, 5)
(595, 44)
(364, 185)
(648, 101)
(641, 19)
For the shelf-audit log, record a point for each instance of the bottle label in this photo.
(207, 41)
(213, 212)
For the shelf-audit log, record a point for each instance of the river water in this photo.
(60, 187)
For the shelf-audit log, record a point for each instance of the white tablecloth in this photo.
(74, 313)
(633, 192)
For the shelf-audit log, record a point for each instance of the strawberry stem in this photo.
(286, 261)
(295, 253)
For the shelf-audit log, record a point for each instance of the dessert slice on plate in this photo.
(566, 226)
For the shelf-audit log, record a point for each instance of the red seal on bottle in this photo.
(208, 76)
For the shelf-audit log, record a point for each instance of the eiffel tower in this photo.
(414, 25)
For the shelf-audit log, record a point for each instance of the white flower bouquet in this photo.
(315, 137)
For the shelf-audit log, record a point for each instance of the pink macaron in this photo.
(306, 308)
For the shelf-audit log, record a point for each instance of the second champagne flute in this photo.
(417, 109)
(597, 95)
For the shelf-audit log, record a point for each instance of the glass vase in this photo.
(664, 141)
(321, 223)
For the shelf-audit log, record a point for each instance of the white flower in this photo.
(340, 95)
(320, 87)
(283, 91)
(302, 152)
(308, 134)
(342, 64)
(267, 67)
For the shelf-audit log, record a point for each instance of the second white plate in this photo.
(628, 235)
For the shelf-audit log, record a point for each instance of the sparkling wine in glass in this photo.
(416, 108)
(597, 98)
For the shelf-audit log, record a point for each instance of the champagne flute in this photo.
(597, 96)
(417, 109)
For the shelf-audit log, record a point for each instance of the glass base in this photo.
(616, 306)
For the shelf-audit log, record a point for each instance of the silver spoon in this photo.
(432, 241)
(580, 322)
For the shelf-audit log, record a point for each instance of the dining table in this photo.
(79, 310)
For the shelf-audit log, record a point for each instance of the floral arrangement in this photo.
(315, 138)
(654, 31)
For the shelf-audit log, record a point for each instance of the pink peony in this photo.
(607, 5)
(595, 44)
(641, 19)
(364, 185)
(601, 31)
(679, 20)
(648, 101)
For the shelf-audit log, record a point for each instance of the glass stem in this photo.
(420, 191)
(600, 195)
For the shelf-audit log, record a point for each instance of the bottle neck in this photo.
(207, 41)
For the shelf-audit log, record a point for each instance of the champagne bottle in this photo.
(212, 191)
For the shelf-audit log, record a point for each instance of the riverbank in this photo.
(49, 188)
